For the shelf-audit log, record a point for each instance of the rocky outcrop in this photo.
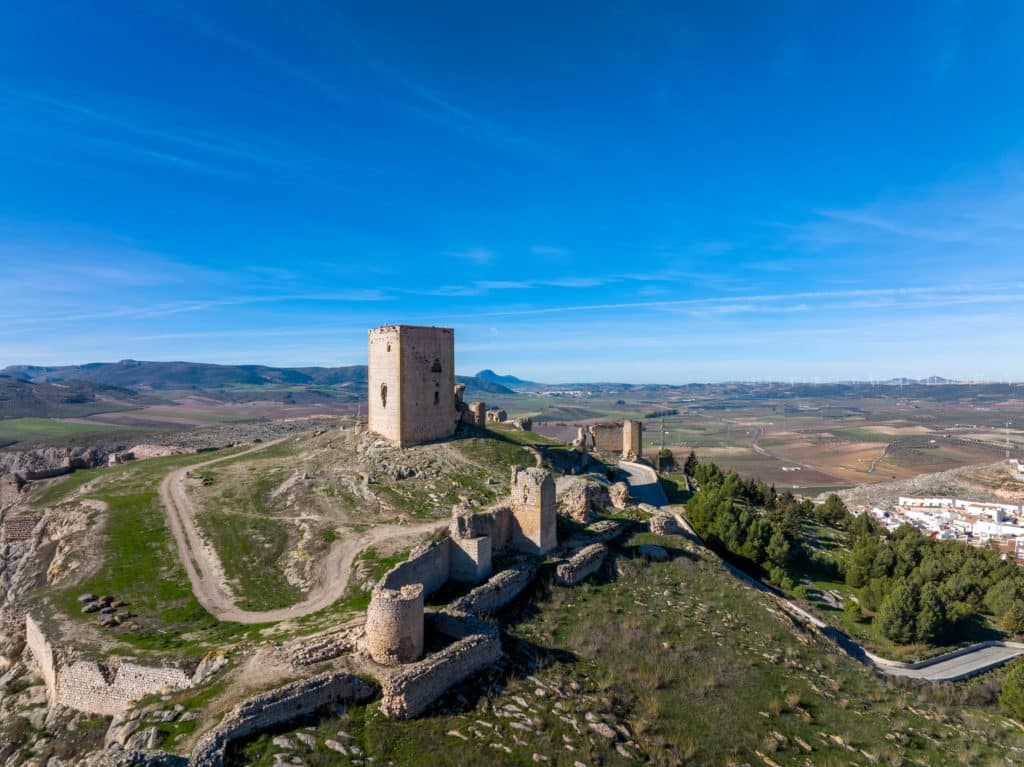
(44, 463)
(579, 498)
(618, 494)
(664, 523)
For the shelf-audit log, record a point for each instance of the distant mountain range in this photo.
(490, 375)
(157, 376)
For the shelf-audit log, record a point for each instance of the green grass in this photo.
(695, 668)
(22, 429)
(250, 543)
(140, 563)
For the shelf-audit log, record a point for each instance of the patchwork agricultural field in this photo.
(812, 438)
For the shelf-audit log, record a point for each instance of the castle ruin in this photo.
(632, 444)
(533, 506)
(412, 383)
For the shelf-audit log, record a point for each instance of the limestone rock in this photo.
(579, 498)
(619, 495)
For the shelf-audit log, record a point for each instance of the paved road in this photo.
(643, 483)
(950, 667)
(206, 573)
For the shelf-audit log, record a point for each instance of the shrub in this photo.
(1011, 696)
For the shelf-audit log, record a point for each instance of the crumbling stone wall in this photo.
(412, 383)
(470, 558)
(410, 692)
(533, 508)
(497, 416)
(96, 688)
(478, 411)
(495, 523)
(582, 565)
(276, 707)
(18, 528)
(497, 592)
(580, 497)
(429, 564)
(607, 437)
(394, 624)
(45, 655)
(106, 690)
(664, 523)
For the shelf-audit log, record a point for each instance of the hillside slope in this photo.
(137, 374)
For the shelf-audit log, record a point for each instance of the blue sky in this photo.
(639, 192)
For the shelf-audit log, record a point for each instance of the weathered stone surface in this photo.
(479, 411)
(497, 416)
(410, 693)
(277, 707)
(581, 565)
(632, 440)
(412, 383)
(533, 509)
(664, 523)
(501, 589)
(618, 494)
(394, 624)
(523, 422)
(580, 497)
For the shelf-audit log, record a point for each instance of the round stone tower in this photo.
(394, 625)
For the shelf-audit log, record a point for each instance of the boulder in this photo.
(618, 494)
(579, 497)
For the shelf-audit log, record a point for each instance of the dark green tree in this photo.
(1000, 596)
(1011, 696)
(897, 616)
(691, 464)
(931, 615)
(1013, 619)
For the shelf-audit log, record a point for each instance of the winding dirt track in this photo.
(206, 573)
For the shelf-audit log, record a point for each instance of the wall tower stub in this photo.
(533, 509)
(632, 445)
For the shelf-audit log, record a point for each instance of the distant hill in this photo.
(490, 375)
(157, 376)
(26, 399)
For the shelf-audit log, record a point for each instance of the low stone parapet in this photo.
(581, 565)
(275, 708)
(496, 593)
(410, 692)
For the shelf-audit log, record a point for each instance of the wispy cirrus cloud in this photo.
(476, 255)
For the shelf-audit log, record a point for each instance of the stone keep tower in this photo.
(632, 445)
(412, 383)
(533, 511)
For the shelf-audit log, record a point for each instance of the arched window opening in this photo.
(437, 398)
(436, 367)
(383, 395)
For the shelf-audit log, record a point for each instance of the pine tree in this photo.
(931, 614)
(896, 616)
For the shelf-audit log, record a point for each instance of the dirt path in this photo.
(206, 573)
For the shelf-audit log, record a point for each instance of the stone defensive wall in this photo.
(496, 593)
(394, 624)
(583, 564)
(98, 688)
(429, 564)
(410, 692)
(275, 708)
